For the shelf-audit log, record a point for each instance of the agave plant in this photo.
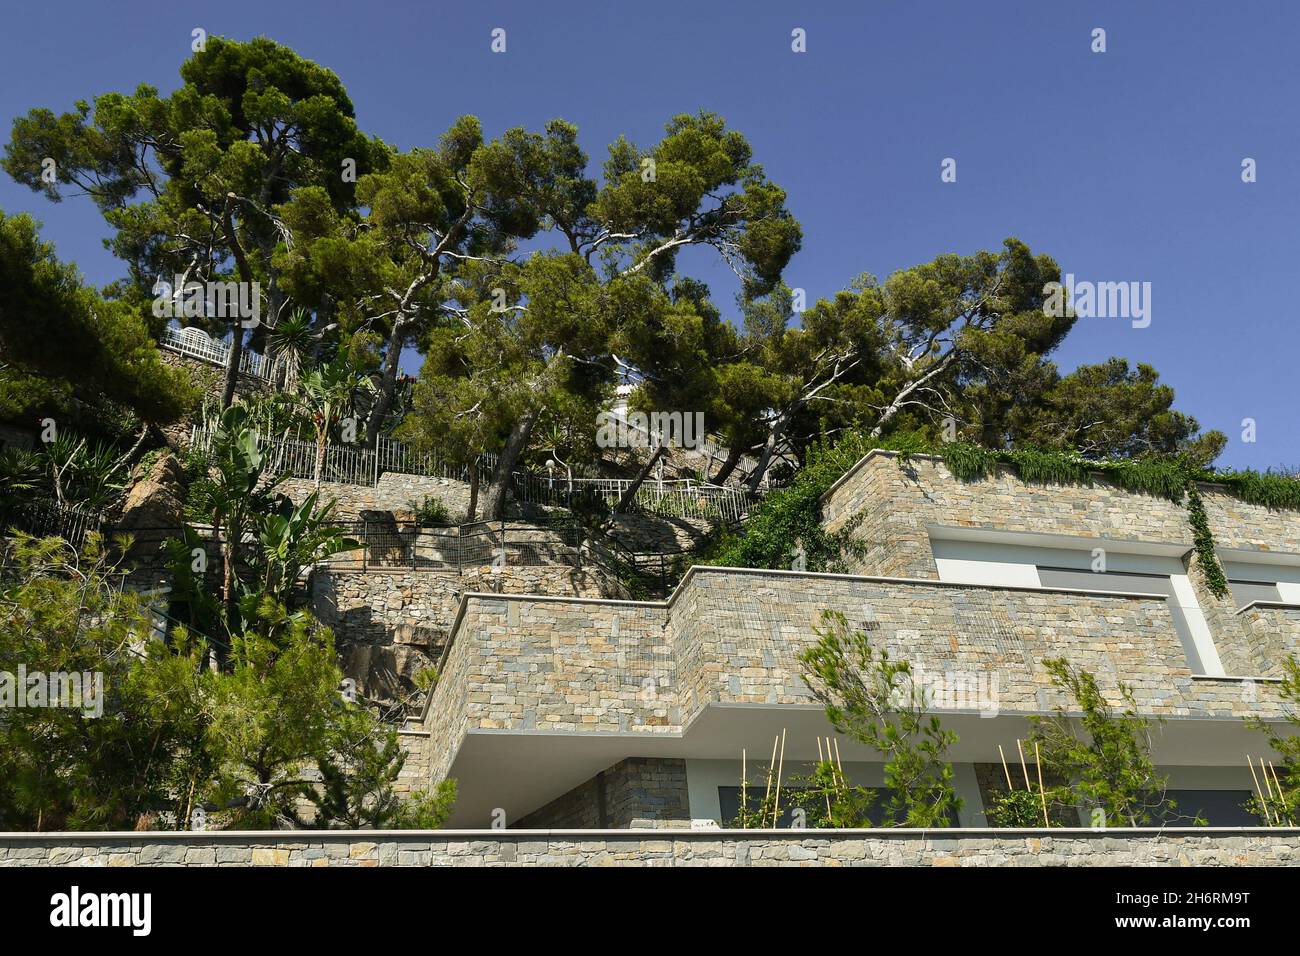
(290, 343)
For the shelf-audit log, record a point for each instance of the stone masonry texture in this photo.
(1169, 847)
(886, 502)
(635, 789)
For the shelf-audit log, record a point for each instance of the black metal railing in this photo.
(49, 519)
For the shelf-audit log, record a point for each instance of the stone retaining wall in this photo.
(1170, 847)
(395, 492)
(887, 503)
(388, 624)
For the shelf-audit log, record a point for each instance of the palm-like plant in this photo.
(20, 476)
(82, 474)
(237, 490)
(292, 537)
(327, 393)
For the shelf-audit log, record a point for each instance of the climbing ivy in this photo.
(1203, 541)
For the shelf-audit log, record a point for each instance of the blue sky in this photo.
(1124, 166)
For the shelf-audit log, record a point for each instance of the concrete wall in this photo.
(1058, 847)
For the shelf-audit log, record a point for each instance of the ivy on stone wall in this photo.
(1203, 541)
(786, 528)
(1171, 478)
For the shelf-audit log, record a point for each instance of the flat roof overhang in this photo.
(520, 771)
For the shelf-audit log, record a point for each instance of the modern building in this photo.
(563, 712)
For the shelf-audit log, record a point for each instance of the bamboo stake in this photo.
(838, 766)
(1259, 791)
(1005, 768)
(771, 765)
(1023, 768)
(1038, 761)
(744, 789)
(1286, 806)
(826, 760)
(776, 805)
(1277, 799)
(1268, 784)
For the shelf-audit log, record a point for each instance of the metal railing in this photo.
(357, 465)
(196, 343)
(48, 518)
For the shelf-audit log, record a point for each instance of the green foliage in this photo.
(430, 512)
(254, 744)
(873, 699)
(1015, 808)
(53, 327)
(1105, 755)
(1282, 808)
(1203, 541)
(1267, 489)
(21, 476)
(827, 799)
(791, 516)
(1104, 411)
(80, 473)
(238, 496)
(73, 768)
(757, 807)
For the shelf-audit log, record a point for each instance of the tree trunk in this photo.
(234, 358)
(472, 511)
(729, 465)
(769, 448)
(630, 495)
(494, 501)
(387, 380)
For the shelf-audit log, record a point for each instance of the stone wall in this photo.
(389, 624)
(1272, 634)
(733, 637)
(1167, 847)
(886, 503)
(395, 492)
(895, 499)
(415, 772)
(638, 791)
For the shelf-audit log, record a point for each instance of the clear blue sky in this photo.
(1123, 166)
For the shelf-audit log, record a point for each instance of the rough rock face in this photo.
(154, 509)
(386, 673)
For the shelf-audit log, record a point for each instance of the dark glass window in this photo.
(1219, 808)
